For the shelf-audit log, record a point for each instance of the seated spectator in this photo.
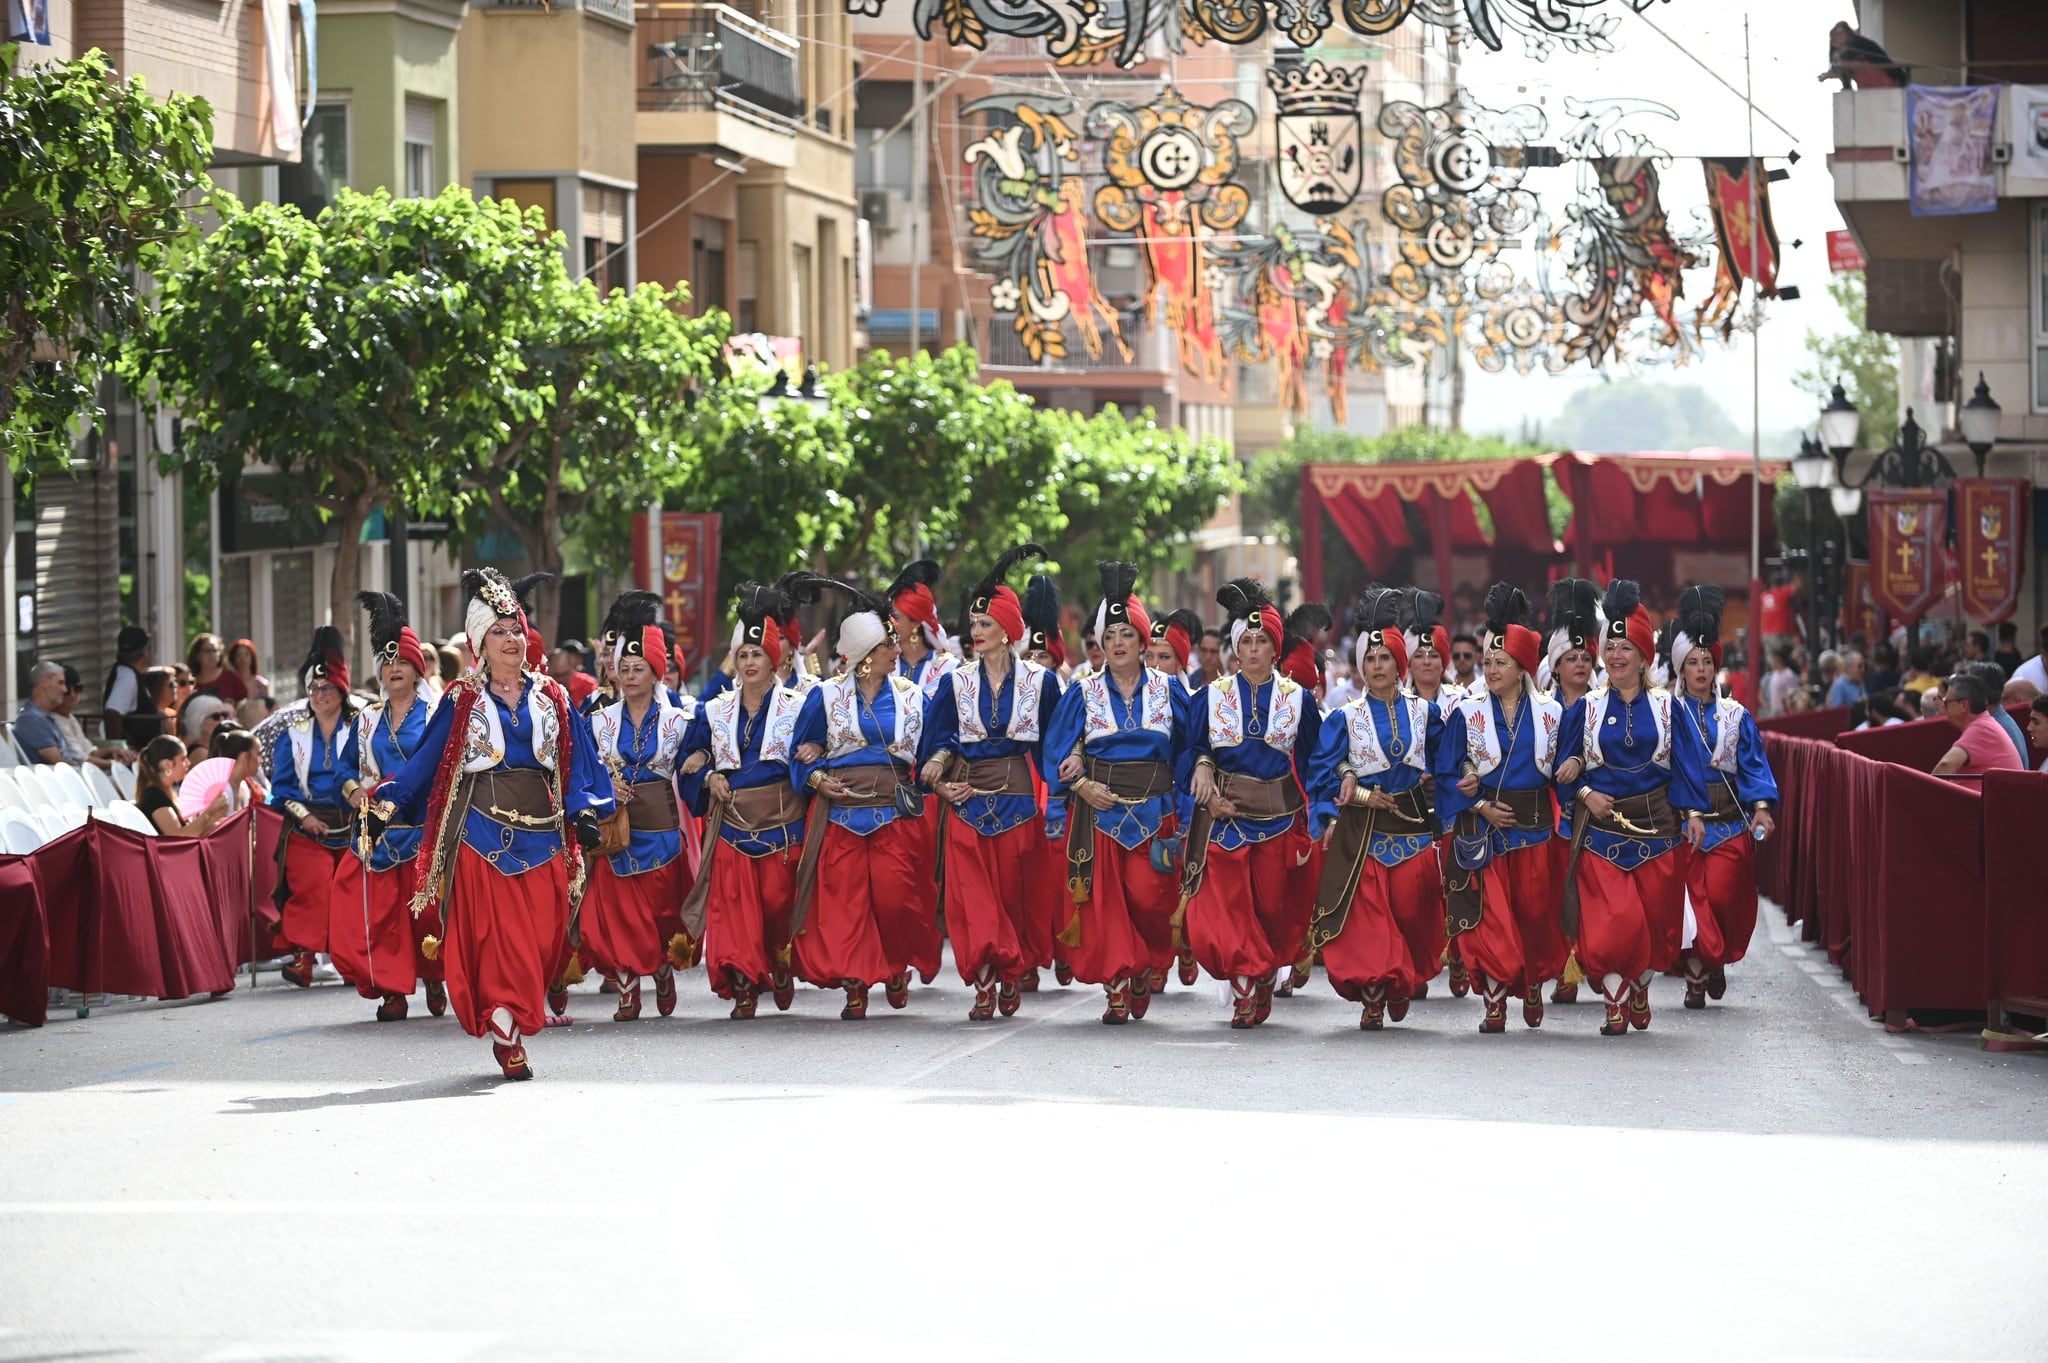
(1882, 708)
(1981, 745)
(181, 686)
(35, 728)
(1920, 674)
(2037, 727)
(77, 747)
(1993, 677)
(202, 715)
(123, 691)
(1884, 668)
(1931, 703)
(2019, 691)
(245, 781)
(156, 711)
(2035, 669)
(157, 774)
(1848, 687)
(1830, 668)
(211, 676)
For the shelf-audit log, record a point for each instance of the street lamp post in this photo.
(1911, 460)
(1814, 474)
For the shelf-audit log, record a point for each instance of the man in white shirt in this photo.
(124, 685)
(2035, 669)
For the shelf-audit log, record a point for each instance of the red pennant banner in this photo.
(1991, 518)
(1908, 531)
(687, 580)
(1860, 613)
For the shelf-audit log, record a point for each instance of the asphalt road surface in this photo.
(274, 1176)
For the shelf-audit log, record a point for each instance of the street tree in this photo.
(1864, 362)
(372, 355)
(611, 378)
(95, 175)
(1132, 489)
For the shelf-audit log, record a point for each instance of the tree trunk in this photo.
(347, 579)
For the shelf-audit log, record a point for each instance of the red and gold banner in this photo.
(1739, 201)
(1860, 614)
(1991, 515)
(1908, 533)
(688, 580)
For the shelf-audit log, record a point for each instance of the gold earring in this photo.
(866, 668)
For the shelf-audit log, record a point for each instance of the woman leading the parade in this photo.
(1244, 883)
(510, 791)
(742, 743)
(983, 734)
(1379, 857)
(1493, 791)
(859, 902)
(1741, 795)
(1111, 751)
(630, 923)
(1626, 778)
(308, 789)
(382, 955)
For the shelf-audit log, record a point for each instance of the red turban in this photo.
(1522, 644)
(1300, 665)
(1007, 611)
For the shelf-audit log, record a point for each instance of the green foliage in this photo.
(610, 378)
(94, 176)
(1864, 362)
(1629, 415)
(371, 355)
(1134, 490)
(1788, 508)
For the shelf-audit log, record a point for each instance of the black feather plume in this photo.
(1118, 578)
(523, 585)
(758, 603)
(637, 610)
(1189, 622)
(923, 573)
(1699, 612)
(1623, 596)
(996, 575)
(1242, 597)
(1379, 607)
(1421, 611)
(1042, 605)
(858, 598)
(1506, 605)
(387, 617)
(1304, 623)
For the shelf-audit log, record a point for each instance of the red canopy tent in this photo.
(1634, 515)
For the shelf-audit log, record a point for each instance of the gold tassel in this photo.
(1078, 889)
(1070, 935)
(682, 952)
(1574, 973)
(574, 972)
(782, 957)
(430, 947)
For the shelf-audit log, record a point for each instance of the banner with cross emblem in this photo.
(1908, 534)
(1990, 529)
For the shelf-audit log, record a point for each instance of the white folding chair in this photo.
(8, 756)
(124, 780)
(10, 793)
(68, 786)
(98, 785)
(19, 835)
(128, 816)
(35, 794)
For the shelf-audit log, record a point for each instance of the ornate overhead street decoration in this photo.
(1320, 141)
(1170, 166)
(1030, 223)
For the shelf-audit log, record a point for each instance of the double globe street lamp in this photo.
(1910, 461)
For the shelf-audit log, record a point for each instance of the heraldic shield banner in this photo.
(1991, 526)
(1908, 537)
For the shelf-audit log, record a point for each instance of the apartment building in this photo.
(1967, 294)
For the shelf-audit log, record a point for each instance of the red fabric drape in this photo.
(106, 910)
(1824, 723)
(1918, 744)
(2015, 909)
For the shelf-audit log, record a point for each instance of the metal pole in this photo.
(1756, 450)
(918, 152)
(1813, 589)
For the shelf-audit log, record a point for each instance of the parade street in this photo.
(254, 1178)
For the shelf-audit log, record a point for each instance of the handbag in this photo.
(909, 800)
(614, 832)
(1472, 843)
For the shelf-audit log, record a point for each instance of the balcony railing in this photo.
(618, 11)
(710, 57)
(1150, 348)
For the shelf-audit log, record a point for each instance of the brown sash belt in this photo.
(1722, 806)
(1131, 783)
(1255, 799)
(758, 809)
(1634, 816)
(652, 808)
(1464, 893)
(872, 785)
(1000, 776)
(519, 798)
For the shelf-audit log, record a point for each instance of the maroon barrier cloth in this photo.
(1918, 939)
(129, 914)
(24, 951)
(2015, 904)
(1825, 723)
(1918, 743)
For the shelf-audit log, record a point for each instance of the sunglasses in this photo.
(1462, 657)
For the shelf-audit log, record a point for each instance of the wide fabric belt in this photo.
(1530, 807)
(1259, 799)
(519, 798)
(869, 785)
(653, 807)
(1000, 775)
(1722, 806)
(757, 809)
(1131, 783)
(1641, 816)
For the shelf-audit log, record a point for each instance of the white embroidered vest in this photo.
(303, 732)
(1483, 741)
(1226, 714)
(723, 715)
(1724, 736)
(671, 721)
(1596, 711)
(483, 747)
(842, 717)
(934, 666)
(1366, 757)
(368, 720)
(1154, 703)
(1029, 680)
